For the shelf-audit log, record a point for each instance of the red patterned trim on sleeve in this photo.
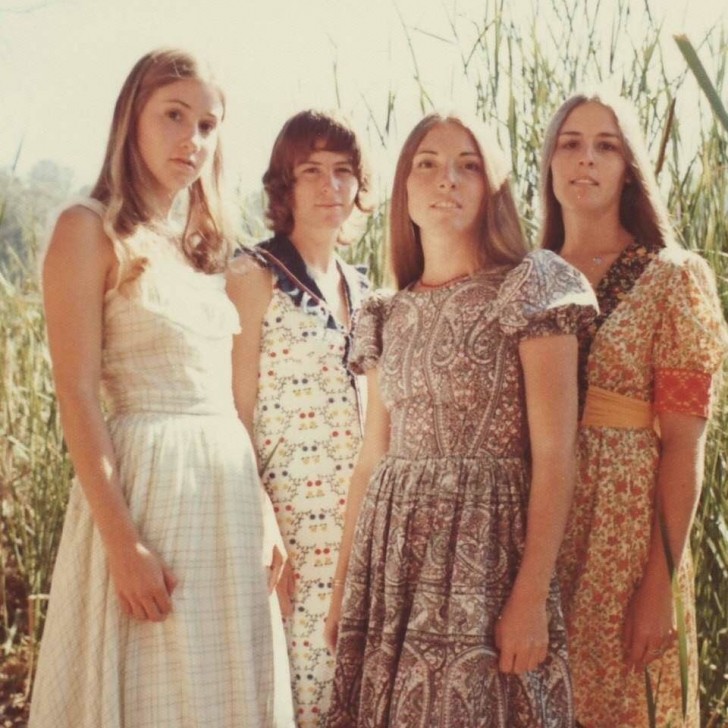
(683, 391)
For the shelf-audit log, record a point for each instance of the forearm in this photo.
(92, 454)
(552, 487)
(357, 490)
(677, 490)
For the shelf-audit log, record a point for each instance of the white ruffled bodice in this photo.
(167, 341)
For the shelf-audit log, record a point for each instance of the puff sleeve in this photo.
(691, 339)
(545, 296)
(367, 332)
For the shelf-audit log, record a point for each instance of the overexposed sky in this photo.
(62, 63)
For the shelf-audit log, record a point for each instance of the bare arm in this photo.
(373, 448)
(549, 367)
(650, 620)
(77, 270)
(250, 288)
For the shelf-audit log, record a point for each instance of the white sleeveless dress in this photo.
(188, 473)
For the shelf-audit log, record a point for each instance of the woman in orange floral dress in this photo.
(648, 369)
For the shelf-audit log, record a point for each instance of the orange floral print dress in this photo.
(660, 338)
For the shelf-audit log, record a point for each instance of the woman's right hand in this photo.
(144, 583)
(331, 623)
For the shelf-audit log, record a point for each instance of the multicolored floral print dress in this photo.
(443, 523)
(660, 337)
(307, 433)
(187, 470)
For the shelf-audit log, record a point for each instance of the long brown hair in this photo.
(641, 209)
(124, 181)
(501, 239)
(305, 132)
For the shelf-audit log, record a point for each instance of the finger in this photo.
(162, 601)
(537, 655)
(125, 606)
(154, 611)
(507, 658)
(137, 610)
(521, 661)
(170, 580)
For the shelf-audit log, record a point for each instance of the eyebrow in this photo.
(460, 154)
(600, 134)
(211, 114)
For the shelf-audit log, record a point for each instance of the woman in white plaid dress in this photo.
(159, 611)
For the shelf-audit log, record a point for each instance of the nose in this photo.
(192, 138)
(587, 156)
(330, 180)
(448, 178)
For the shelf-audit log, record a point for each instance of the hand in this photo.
(275, 568)
(521, 635)
(331, 624)
(144, 583)
(286, 588)
(649, 625)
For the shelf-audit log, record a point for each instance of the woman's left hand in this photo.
(649, 625)
(275, 569)
(521, 635)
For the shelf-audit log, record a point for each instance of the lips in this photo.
(588, 181)
(186, 163)
(446, 205)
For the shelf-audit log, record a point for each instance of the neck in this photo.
(580, 237)
(317, 248)
(448, 257)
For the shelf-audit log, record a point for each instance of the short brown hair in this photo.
(308, 131)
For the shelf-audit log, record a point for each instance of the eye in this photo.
(174, 114)
(606, 146)
(424, 163)
(473, 166)
(207, 127)
(569, 144)
(345, 170)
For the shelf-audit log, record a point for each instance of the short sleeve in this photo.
(545, 296)
(691, 339)
(367, 328)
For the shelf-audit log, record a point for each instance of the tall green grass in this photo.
(513, 72)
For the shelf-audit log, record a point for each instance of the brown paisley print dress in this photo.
(442, 527)
(659, 338)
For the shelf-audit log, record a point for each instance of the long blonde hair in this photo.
(641, 209)
(124, 181)
(501, 239)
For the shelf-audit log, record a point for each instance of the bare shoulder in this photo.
(79, 233)
(247, 280)
(79, 252)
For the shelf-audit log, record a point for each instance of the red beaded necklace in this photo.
(451, 281)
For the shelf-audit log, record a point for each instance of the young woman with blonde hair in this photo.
(445, 610)
(159, 612)
(647, 369)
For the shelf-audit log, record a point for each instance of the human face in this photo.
(324, 190)
(446, 186)
(177, 133)
(589, 168)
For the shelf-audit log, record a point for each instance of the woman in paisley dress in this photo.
(159, 612)
(647, 378)
(296, 298)
(456, 508)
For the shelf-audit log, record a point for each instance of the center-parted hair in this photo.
(641, 209)
(500, 239)
(307, 132)
(125, 182)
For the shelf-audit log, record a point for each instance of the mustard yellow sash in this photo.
(609, 409)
